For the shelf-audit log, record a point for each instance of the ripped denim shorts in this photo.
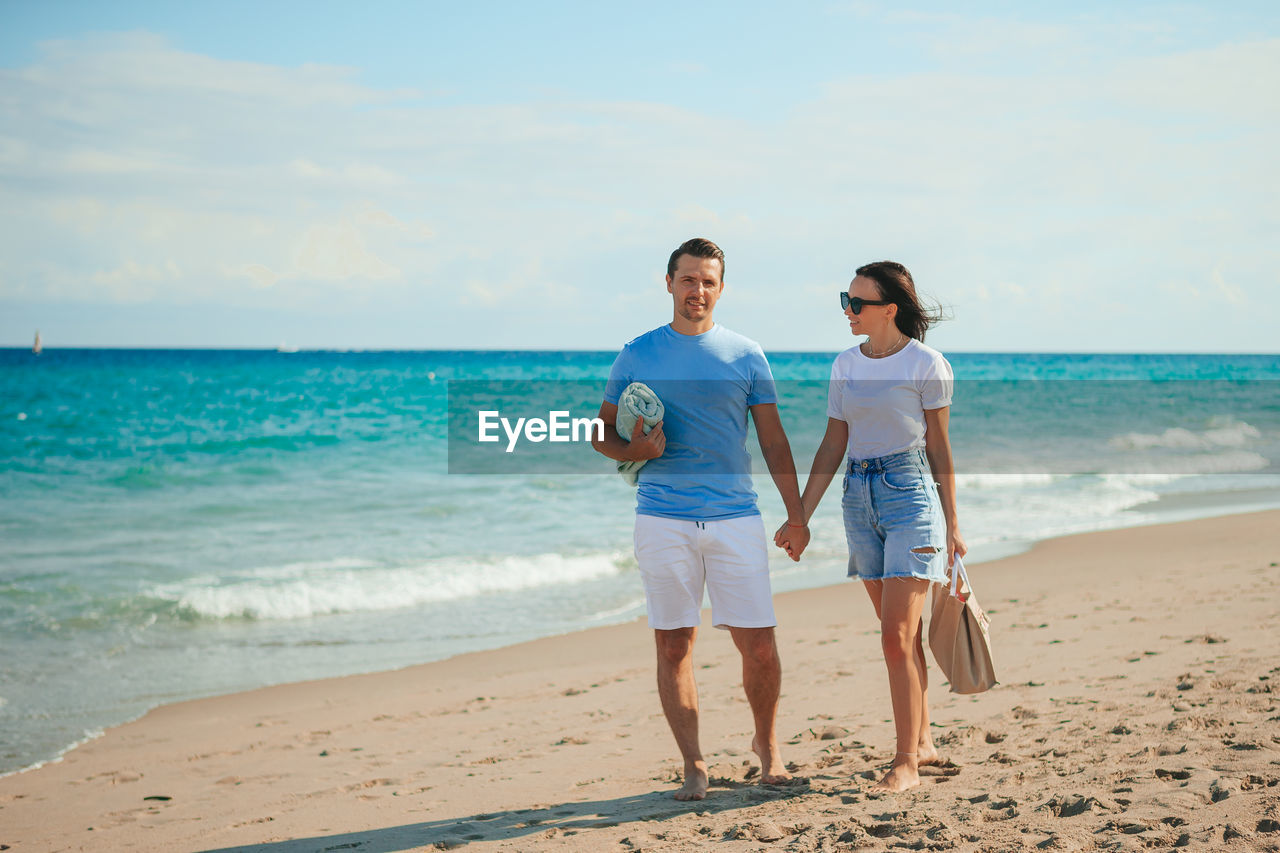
(893, 519)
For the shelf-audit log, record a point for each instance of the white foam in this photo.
(89, 734)
(635, 605)
(1037, 512)
(1222, 432)
(1004, 481)
(1172, 467)
(300, 590)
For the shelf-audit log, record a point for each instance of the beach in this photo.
(1136, 710)
(193, 523)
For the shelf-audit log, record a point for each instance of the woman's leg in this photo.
(926, 752)
(900, 607)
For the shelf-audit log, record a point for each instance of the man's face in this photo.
(695, 287)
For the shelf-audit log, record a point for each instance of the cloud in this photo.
(337, 253)
(302, 189)
(143, 63)
(1231, 293)
(260, 275)
(132, 281)
(352, 175)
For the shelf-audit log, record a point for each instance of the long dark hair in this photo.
(896, 285)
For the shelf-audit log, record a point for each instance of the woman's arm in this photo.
(825, 464)
(937, 447)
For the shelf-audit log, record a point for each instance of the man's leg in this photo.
(679, 693)
(671, 568)
(762, 681)
(737, 561)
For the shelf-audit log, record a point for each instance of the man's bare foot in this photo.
(695, 783)
(899, 778)
(772, 770)
(927, 753)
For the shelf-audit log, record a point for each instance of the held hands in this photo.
(792, 539)
(644, 447)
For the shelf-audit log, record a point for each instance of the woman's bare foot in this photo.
(695, 782)
(903, 775)
(927, 753)
(772, 770)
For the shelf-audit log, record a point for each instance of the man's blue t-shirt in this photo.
(706, 384)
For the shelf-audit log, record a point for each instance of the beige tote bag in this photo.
(959, 635)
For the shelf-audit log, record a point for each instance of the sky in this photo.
(1083, 176)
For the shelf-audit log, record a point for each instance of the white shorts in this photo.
(730, 557)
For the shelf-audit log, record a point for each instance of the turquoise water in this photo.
(183, 523)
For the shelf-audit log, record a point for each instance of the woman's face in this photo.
(873, 319)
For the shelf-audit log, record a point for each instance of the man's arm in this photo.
(640, 447)
(782, 467)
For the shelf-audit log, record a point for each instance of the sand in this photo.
(1139, 708)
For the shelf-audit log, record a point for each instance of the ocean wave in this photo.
(1171, 467)
(635, 605)
(1066, 505)
(1220, 432)
(301, 590)
(89, 735)
(1005, 481)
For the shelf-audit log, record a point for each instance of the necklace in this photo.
(902, 341)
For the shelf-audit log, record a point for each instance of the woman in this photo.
(887, 411)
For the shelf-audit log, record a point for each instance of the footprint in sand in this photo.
(1071, 805)
(1252, 782)
(943, 769)
(824, 733)
(1001, 810)
(765, 830)
(1179, 775)
(1160, 749)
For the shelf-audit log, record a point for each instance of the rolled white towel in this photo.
(637, 402)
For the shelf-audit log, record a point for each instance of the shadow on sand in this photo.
(501, 826)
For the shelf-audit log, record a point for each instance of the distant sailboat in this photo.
(37, 346)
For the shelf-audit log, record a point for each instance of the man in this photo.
(696, 515)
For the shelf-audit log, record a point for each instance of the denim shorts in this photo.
(891, 509)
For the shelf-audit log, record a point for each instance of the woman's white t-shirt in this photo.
(883, 400)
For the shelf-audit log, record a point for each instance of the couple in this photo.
(696, 518)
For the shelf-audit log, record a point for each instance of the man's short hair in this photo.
(698, 247)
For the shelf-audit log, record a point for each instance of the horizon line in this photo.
(299, 350)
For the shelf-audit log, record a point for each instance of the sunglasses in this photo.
(855, 303)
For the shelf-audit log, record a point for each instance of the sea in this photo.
(177, 524)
